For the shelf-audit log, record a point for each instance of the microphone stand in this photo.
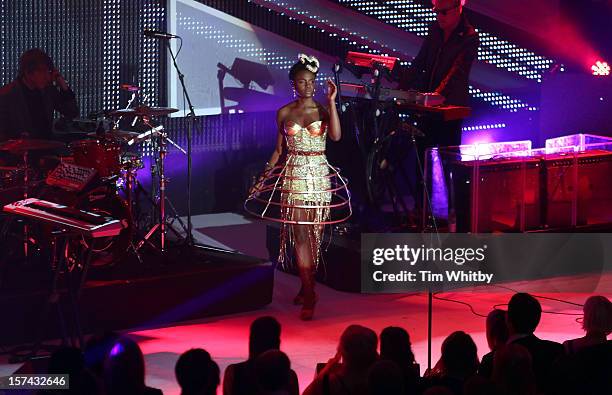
(191, 119)
(189, 240)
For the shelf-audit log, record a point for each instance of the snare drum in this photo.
(104, 155)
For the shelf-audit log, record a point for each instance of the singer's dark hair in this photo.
(299, 66)
(33, 59)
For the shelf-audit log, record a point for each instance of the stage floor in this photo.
(308, 343)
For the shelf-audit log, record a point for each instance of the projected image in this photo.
(231, 66)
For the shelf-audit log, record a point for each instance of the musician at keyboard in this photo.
(443, 66)
(445, 59)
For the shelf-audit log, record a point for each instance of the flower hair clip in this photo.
(311, 62)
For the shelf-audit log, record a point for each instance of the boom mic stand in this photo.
(191, 119)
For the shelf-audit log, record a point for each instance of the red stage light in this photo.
(601, 68)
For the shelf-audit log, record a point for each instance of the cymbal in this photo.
(143, 111)
(119, 134)
(22, 145)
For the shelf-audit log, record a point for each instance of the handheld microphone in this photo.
(158, 34)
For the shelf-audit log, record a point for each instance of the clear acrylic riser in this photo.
(509, 187)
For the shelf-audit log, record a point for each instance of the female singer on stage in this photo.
(299, 188)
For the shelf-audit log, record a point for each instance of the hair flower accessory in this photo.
(311, 62)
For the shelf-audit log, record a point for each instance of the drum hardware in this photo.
(160, 140)
(131, 187)
(131, 162)
(155, 132)
(129, 88)
(115, 134)
(144, 112)
(133, 90)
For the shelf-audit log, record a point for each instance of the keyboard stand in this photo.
(68, 313)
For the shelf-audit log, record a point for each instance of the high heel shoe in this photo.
(308, 307)
(308, 294)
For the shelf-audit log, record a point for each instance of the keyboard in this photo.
(408, 101)
(87, 223)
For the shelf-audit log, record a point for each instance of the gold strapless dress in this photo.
(307, 174)
(305, 189)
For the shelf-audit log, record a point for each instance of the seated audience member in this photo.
(96, 349)
(385, 377)
(513, 372)
(124, 370)
(196, 373)
(586, 367)
(524, 313)
(497, 335)
(395, 346)
(459, 362)
(586, 372)
(357, 350)
(597, 323)
(273, 372)
(70, 361)
(240, 378)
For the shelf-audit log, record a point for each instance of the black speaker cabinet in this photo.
(503, 186)
(581, 182)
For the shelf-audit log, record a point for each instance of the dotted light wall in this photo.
(96, 44)
(111, 44)
(413, 17)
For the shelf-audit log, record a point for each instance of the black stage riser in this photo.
(183, 288)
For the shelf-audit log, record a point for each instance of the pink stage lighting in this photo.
(601, 68)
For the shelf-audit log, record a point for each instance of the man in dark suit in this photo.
(28, 103)
(443, 66)
(524, 312)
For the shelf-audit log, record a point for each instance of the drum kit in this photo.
(99, 174)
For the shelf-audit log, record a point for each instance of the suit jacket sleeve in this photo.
(65, 103)
(410, 76)
(460, 70)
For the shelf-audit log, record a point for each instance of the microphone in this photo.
(158, 34)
